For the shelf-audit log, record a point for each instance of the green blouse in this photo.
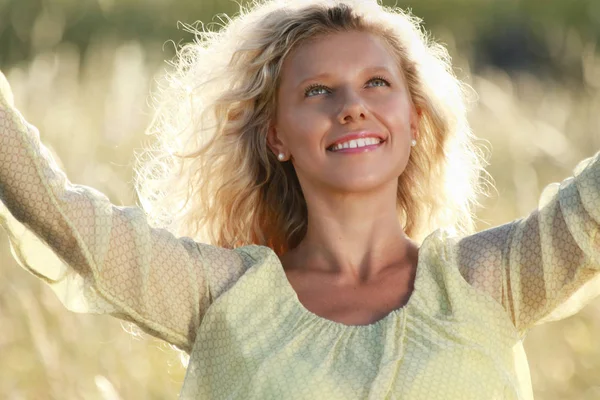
(249, 337)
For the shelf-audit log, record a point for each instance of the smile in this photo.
(362, 144)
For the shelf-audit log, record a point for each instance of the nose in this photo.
(353, 108)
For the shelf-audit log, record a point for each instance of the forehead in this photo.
(337, 53)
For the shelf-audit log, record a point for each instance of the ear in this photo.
(276, 143)
(415, 121)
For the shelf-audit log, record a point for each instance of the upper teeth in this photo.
(350, 144)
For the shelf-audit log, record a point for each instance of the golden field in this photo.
(92, 111)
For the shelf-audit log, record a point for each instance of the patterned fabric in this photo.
(249, 337)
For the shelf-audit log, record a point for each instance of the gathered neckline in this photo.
(395, 313)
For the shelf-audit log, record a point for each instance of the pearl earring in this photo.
(281, 156)
(413, 143)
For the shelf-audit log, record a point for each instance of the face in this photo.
(344, 116)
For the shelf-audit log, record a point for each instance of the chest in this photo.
(256, 341)
(416, 358)
(358, 304)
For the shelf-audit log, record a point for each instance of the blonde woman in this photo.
(320, 151)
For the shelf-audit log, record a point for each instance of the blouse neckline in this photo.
(392, 315)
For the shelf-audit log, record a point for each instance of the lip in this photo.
(356, 150)
(357, 135)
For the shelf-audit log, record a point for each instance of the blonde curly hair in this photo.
(211, 175)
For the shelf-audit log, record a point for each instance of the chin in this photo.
(365, 183)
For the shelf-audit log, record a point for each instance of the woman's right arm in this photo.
(103, 258)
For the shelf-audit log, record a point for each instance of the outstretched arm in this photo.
(103, 258)
(539, 264)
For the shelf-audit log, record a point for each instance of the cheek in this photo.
(304, 127)
(396, 113)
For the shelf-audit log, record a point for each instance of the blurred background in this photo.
(82, 71)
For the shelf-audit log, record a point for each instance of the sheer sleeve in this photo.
(97, 257)
(545, 266)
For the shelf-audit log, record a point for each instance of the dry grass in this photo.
(92, 113)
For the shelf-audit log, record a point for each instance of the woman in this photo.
(313, 145)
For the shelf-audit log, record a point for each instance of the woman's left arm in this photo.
(534, 265)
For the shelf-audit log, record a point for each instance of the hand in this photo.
(6, 95)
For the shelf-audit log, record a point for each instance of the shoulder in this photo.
(224, 267)
(475, 259)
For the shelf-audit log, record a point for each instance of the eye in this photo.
(316, 89)
(378, 81)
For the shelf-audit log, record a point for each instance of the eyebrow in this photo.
(325, 75)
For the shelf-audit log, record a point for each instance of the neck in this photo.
(354, 235)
